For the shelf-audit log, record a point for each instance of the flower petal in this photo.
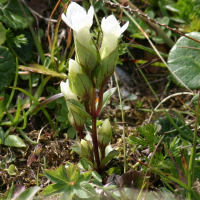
(91, 12)
(124, 27)
(64, 18)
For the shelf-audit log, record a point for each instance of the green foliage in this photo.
(184, 62)
(147, 137)
(69, 183)
(15, 40)
(18, 192)
(106, 97)
(2, 34)
(11, 140)
(7, 67)
(11, 14)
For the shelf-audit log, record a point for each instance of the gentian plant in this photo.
(88, 73)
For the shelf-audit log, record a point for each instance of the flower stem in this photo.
(94, 128)
(81, 133)
(100, 101)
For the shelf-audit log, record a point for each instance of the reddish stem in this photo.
(87, 107)
(94, 128)
(100, 101)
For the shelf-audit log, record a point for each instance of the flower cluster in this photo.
(89, 71)
(89, 59)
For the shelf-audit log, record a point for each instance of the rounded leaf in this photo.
(184, 61)
(14, 141)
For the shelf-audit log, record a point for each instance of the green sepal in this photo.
(77, 107)
(77, 114)
(103, 140)
(77, 149)
(88, 58)
(76, 120)
(106, 68)
(109, 157)
(81, 86)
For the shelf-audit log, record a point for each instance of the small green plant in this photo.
(70, 183)
(88, 72)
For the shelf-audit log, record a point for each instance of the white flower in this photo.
(111, 33)
(81, 21)
(74, 68)
(77, 18)
(67, 93)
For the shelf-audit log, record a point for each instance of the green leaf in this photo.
(84, 163)
(73, 173)
(1, 136)
(29, 193)
(109, 157)
(2, 34)
(14, 141)
(56, 188)
(106, 68)
(86, 191)
(106, 97)
(12, 170)
(3, 1)
(86, 58)
(15, 121)
(96, 176)
(195, 99)
(84, 177)
(167, 194)
(7, 67)
(58, 175)
(185, 62)
(114, 170)
(81, 86)
(12, 15)
(25, 40)
(36, 68)
(77, 107)
(71, 133)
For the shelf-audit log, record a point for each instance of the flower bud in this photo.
(104, 134)
(66, 91)
(87, 150)
(77, 114)
(74, 69)
(76, 120)
(79, 83)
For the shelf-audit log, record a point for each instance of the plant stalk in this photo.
(100, 101)
(191, 167)
(94, 128)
